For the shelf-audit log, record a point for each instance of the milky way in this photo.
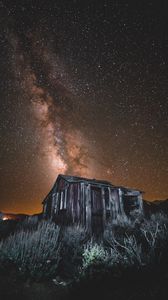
(84, 92)
(47, 87)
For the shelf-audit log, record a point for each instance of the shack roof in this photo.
(95, 182)
(75, 179)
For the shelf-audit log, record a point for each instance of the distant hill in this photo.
(17, 217)
(156, 206)
(162, 205)
(11, 216)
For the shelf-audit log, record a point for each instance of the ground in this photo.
(134, 285)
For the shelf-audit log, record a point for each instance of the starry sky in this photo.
(83, 91)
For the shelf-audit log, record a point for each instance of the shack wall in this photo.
(89, 205)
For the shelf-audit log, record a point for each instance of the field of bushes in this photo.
(130, 259)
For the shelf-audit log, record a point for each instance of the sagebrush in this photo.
(34, 252)
(42, 249)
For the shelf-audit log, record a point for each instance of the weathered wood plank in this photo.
(120, 194)
(104, 205)
(88, 207)
(88, 202)
(140, 203)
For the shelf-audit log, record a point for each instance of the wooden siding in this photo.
(88, 204)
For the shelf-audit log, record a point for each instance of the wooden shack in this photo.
(89, 202)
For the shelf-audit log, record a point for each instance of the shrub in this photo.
(94, 254)
(143, 242)
(119, 231)
(96, 260)
(129, 251)
(35, 253)
(73, 238)
(154, 235)
(7, 227)
(29, 223)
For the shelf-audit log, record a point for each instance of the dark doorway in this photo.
(130, 204)
(97, 211)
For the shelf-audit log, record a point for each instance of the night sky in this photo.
(83, 91)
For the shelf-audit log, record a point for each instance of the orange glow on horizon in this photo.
(36, 207)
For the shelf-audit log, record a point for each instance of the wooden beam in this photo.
(140, 202)
(56, 203)
(104, 206)
(44, 209)
(78, 203)
(88, 207)
(123, 214)
(52, 203)
(111, 204)
(83, 205)
(65, 198)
